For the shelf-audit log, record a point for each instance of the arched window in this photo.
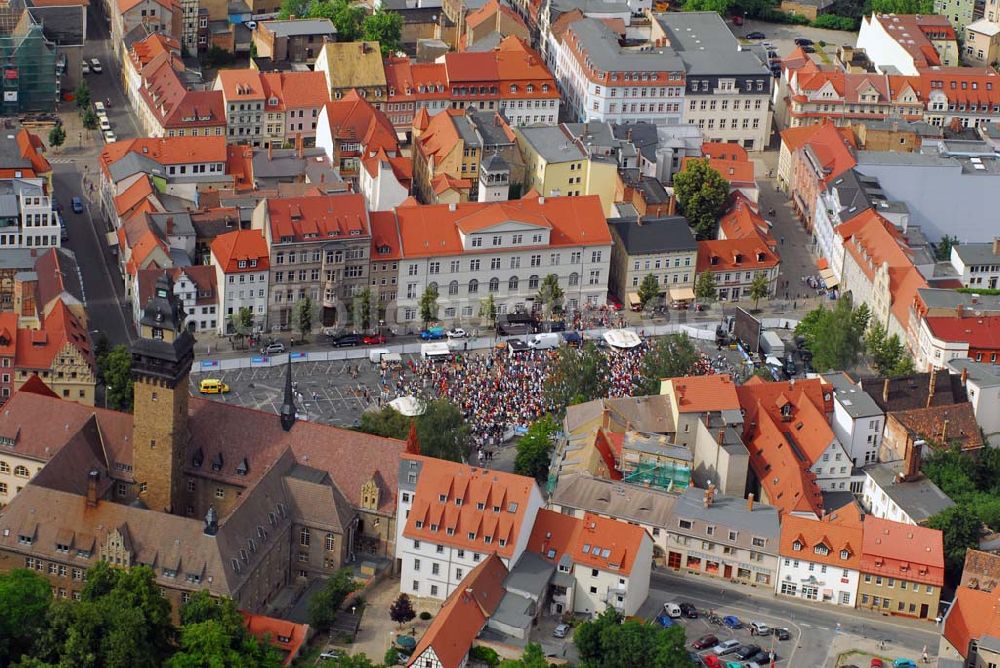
(512, 284)
(494, 284)
(453, 288)
(533, 282)
(473, 286)
(574, 279)
(21, 471)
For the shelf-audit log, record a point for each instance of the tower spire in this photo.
(288, 407)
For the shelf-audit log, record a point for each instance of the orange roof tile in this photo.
(700, 394)
(440, 137)
(553, 535)
(229, 249)
(489, 516)
(37, 349)
(489, 11)
(385, 236)
(463, 615)
(354, 119)
(132, 196)
(743, 220)
(745, 253)
(241, 84)
(8, 334)
(974, 613)
(31, 147)
(724, 151)
(286, 636)
(736, 172)
(319, 216)
(167, 150)
(838, 531)
(591, 541)
(904, 551)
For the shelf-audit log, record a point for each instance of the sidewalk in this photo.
(851, 650)
(377, 631)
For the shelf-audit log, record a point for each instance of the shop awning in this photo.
(829, 278)
(633, 299)
(681, 294)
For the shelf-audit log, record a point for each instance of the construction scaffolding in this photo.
(669, 475)
(28, 79)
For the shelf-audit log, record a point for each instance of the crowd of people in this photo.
(502, 394)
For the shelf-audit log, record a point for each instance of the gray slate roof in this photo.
(657, 235)
(614, 499)
(604, 52)
(707, 46)
(729, 512)
(920, 499)
(980, 373)
(63, 24)
(552, 143)
(301, 27)
(981, 253)
(855, 401)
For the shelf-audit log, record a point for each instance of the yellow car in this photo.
(212, 386)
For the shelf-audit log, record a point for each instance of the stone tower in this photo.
(161, 361)
(494, 179)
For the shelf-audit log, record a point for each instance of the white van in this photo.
(544, 341)
(672, 609)
(435, 351)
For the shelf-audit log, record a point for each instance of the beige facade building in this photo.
(662, 247)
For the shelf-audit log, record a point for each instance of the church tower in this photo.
(161, 361)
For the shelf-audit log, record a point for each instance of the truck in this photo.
(435, 351)
(770, 344)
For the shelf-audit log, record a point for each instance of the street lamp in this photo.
(107, 388)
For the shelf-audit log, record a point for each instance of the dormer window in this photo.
(480, 506)
(503, 542)
(420, 524)
(472, 535)
(442, 498)
(488, 539)
(434, 527)
(496, 509)
(821, 549)
(450, 531)
(844, 554)
(797, 546)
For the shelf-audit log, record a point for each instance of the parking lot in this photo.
(783, 36)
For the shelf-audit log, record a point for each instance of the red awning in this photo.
(821, 263)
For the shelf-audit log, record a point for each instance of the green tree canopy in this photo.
(705, 287)
(117, 374)
(759, 289)
(429, 305)
(346, 17)
(902, 6)
(364, 308)
(533, 657)
(607, 642)
(961, 529)
(82, 95)
(57, 136)
(649, 290)
(835, 336)
(304, 316)
(441, 430)
(550, 294)
(669, 356)
(578, 375)
(888, 355)
(25, 598)
(943, 250)
(383, 27)
(325, 603)
(534, 449)
(702, 193)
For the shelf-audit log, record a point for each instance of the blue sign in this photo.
(298, 356)
(258, 360)
(209, 364)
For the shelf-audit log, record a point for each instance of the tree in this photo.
(82, 95)
(705, 288)
(888, 355)
(391, 657)
(428, 305)
(118, 378)
(325, 603)
(488, 309)
(383, 27)
(943, 250)
(304, 316)
(57, 136)
(241, 322)
(401, 611)
(347, 18)
(534, 449)
(702, 193)
(89, 119)
(550, 295)
(669, 356)
(291, 8)
(760, 288)
(961, 529)
(353, 661)
(213, 634)
(578, 375)
(902, 6)
(649, 290)
(608, 642)
(26, 597)
(533, 657)
(442, 430)
(835, 337)
(101, 349)
(363, 309)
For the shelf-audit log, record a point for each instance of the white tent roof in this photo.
(622, 338)
(409, 406)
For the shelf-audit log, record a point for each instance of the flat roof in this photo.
(552, 143)
(301, 27)
(920, 499)
(707, 46)
(605, 53)
(980, 373)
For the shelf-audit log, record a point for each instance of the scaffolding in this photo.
(669, 475)
(28, 80)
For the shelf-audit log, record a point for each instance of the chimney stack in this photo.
(965, 375)
(911, 460)
(93, 477)
(885, 391)
(996, 245)
(959, 310)
(270, 151)
(299, 145)
(750, 501)
(944, 433)
(722, 437)
(672, 206)
(931, 385)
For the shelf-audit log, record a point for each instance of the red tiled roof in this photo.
(742, 254)
(914, 32)
(126, 5)
(838, 531)
(591, 541)
(457, 520)
(385, 236)
(319, 216)
(286, 636)
(609, 445)
(700, 394)
(132, 196)
(904, 551)
(31, 147)
(230, 248)
(736, 172)
(974, 613)
(8, 333)
(433, 230)
(440, 137)
(463, 615)
(442, 183)
(240, 84)
(167, 150)
(962, 85)
(833, 149)
(354, 119)
(724, 151)
(981, 333)
(37, 349)
(202, 275)
(489, 11)
(743, 220)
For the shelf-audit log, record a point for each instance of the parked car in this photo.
(432, 334)
(373, 339)
(275, 348)
(104, 123)
(110, 137)
(457, 333)
(744, 652)
(759, 629)
(77, 205)
(763, 657)
(99, 108)
(553, 326)
(756, 35)
(95, 66)
(345, 341)
(561, 631)
(705, 642)
(331, 655)
(85, 66)
(726, 647)
(876, 663)
(809, 49)
(664, 621)
(803, 41)
(672, 609)
(904, 663)
(711, 661)
(782, 634)
(732, 622)
(689, 611)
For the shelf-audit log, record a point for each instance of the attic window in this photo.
(383, 249)
(512, 507)
(458, 501)
(434, 527)
(243, 468)
(821, 549)
(797, 546)
(586, 548)
(488, 539)
(442, 498)
(450, 531)
(503, 541)
(472, 535)
(551, 554)
(420, 524)
(217, 462)
(714, 259)
(480, 506)
(844, 554)
(496, 509)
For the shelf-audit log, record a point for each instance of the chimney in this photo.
(944, 432)
(93, 477)
(750, 501)
(270, 151)
(672, 206)
(965, 375)
(959, 310)
(931, 383)
(996, 245)
(885, 391)
(722, 437)
(911, 459)
(299, 145)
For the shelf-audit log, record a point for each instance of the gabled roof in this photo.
(30, 149)
(463, 615)
(974, 613)
(59, 278)
(743, 220)
(953, 424)
(838, 531)
(902, 551)
(167, 150)
(701, 394)
(230, 248)
(317, 217)
(833, 151)
(37, 349)
(385, 236)
(740, 254)
(354, 64)
(288, 637)
(736, 172)
(591, 541)
(202, 275)
(354, 119)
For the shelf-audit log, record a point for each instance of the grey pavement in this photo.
(813, 626)
(783, 35)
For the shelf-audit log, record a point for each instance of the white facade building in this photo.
(857, 420)
(240, 260)
(26, 216)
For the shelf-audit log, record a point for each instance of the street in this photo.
(811, 625)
